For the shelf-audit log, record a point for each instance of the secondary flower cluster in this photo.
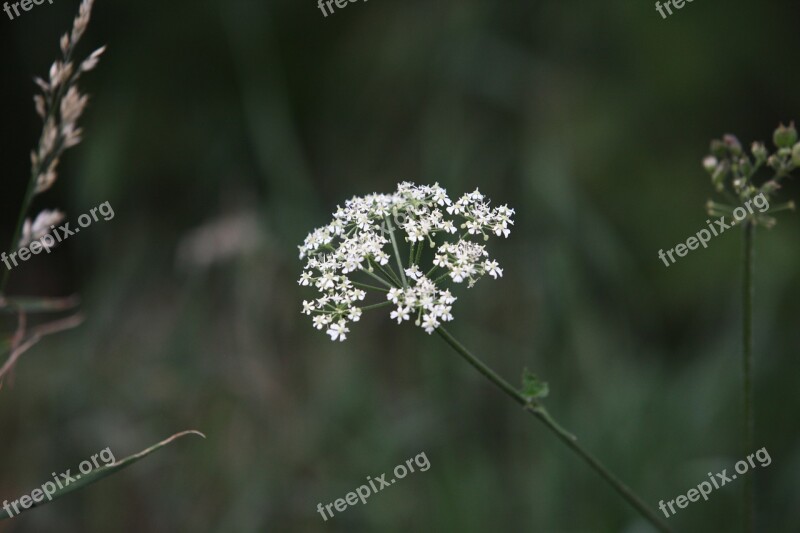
(733, 171)
(358, 246)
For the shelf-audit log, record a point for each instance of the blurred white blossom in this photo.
(41, 226)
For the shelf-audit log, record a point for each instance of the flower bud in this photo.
(745, 166)
(718, 148)
(710, 163)
(718, 176)
(785, 136)
(759, 152)
(770, 187)
(773, 161)
(733, 144)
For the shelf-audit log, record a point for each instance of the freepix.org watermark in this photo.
(49, 488)
(40, 238)
(715, 481)
(677, 4)
(719, 226)
(330, 3)
(26, 5)
(364, 491)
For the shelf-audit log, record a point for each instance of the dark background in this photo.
(591, 119)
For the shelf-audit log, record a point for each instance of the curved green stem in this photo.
(748, 430)
(567, 438)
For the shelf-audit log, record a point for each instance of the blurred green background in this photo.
(223, 132)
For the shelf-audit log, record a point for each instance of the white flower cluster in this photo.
(356, 249)
(431, 304)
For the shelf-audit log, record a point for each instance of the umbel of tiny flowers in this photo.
(360, 246)
(733, 174)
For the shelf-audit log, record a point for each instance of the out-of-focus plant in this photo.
(735, 176)
(60, 106)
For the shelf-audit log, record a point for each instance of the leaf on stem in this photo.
(532, 387)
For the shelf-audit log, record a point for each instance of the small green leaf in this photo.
(532, 387)
(100, 473)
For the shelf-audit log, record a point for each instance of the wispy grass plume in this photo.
(60, 105)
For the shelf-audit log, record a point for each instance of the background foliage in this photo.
(589, 118)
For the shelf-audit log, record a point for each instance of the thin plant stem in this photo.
(26, 204)
(567, 438)
(377, 277)
(368, 286)
(788, 206)
(389, 273)
(440, 278)
(411, 255)
(376, 306)
(748, 429)
(421, 245)
(396, 252)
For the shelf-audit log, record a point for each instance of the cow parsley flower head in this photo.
(358, 253)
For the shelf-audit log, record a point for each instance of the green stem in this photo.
(368, 286)
(377, 277)
(748, 440)
(440, 278)
(389, 273)
(396, 252)
(421, 245)
(788, 206)
(376, 306)
(26, 204)
(541, 413)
